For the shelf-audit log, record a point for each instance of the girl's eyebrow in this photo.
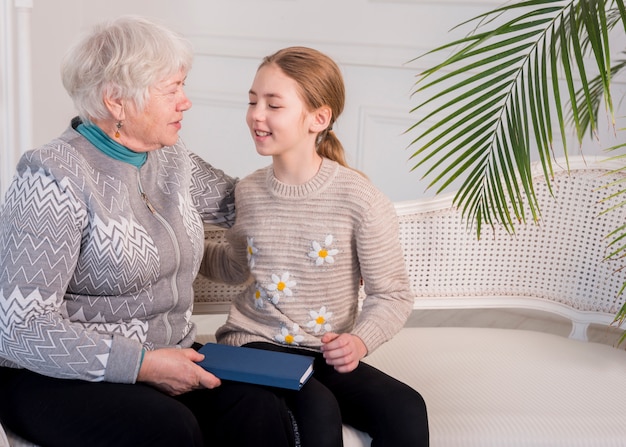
(268, 95)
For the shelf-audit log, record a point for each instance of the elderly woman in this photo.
(101, 236)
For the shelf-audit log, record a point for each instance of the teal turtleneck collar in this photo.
(110, 147)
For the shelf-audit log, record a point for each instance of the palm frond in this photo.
(499, 94)
(596, 92)
(616, 238)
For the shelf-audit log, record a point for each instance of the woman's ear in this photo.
(321, 119)
(115, 107)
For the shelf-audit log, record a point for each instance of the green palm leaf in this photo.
(497, 97)
(500, 94)
(617, 244)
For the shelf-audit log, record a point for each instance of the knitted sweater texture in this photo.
(97, 257)
(307, 248)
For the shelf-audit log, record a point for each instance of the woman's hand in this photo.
(174, 371)
(343, 351)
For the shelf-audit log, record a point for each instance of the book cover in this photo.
(258, 366)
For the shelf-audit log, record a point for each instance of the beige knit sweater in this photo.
(307, 248)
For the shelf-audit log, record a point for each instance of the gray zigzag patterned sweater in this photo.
(97, 257)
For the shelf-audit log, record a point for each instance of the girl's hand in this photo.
(343, 351)
(174, 371)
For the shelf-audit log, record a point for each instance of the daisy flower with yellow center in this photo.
(280, 285)
(259, 296)
(288, 337)
(319, 320)
(251, 251)
(323, 254)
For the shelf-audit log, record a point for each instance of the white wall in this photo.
(372, 40)
(15, 85)
(7, 109)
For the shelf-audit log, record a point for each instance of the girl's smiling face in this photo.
(277, 116)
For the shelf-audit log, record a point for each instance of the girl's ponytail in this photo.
(329, 146)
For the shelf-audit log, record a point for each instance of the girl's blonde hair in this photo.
(320, 84)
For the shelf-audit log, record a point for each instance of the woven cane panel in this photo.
(210, 292)
(560, 258)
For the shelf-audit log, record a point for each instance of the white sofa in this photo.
(491, 387)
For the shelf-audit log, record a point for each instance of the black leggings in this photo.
(66, 413)
(391, 412)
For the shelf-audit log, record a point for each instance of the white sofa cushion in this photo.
(487, 387)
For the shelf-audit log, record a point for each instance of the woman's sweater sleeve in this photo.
(388, 296)
(220, 263)
(213, 192)
(41, 225)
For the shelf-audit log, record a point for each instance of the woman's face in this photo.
(160, 121)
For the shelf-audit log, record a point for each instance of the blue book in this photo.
(258, 366)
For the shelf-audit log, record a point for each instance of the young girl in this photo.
(308, 229)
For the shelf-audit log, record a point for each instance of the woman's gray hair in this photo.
(121, 59)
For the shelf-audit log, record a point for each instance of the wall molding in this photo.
(217, 99)
(7, 97)
(23, 11)
(16, 117)
(371, 115)
(367, 55)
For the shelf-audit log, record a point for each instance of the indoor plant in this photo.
(528, 71)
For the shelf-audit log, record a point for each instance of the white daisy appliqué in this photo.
(280, 285)
(320, 320)
(259, 296)
(251, 252)
(288, 337)
(323, 254)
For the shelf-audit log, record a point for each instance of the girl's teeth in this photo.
(262, 134)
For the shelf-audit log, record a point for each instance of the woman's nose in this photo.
(184, 104)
